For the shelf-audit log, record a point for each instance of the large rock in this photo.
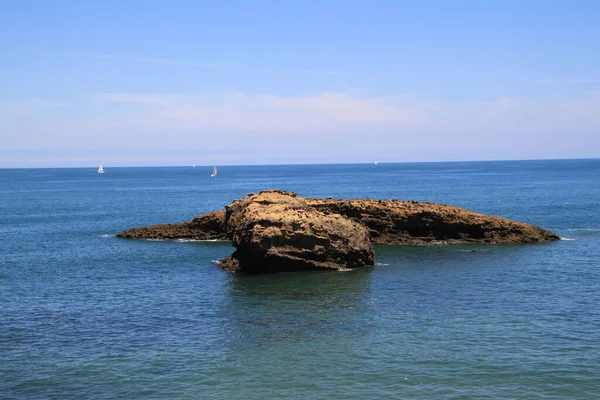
(204, 227)
(276, 231)
(387, 221)
(411, 222)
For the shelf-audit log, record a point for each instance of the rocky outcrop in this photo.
(412, 222)
(276, 231)
(204, 227)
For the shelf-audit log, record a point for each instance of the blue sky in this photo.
(271, 82)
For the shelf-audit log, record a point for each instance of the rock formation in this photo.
(276, 231)
(203, 227)
(412, 222)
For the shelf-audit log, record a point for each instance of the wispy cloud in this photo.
(306, 72)
(570, 81)
(345, 112)
(151, 60)
(270, 113)
(324, 127)
(29, 105)
(147, 99)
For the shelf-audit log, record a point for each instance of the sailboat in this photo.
(214, 173)
(100, 169)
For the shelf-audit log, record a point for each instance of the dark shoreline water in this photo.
(86, 315)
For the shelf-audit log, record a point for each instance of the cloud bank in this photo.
(241, 128)
(347, 113)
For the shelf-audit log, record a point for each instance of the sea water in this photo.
(84, 314)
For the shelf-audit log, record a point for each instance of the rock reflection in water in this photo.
(296, 307)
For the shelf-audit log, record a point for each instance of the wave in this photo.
(567, 239)
(183, 240)
(381, 264)
(578, 233)
(104, 235)
(196, 240)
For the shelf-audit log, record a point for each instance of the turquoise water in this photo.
(86, 315)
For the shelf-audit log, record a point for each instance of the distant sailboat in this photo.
(100, 169)
(376, 163)
(214, 173)
(193, 165)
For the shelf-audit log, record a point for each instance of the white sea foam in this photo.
(184, 240)
(564, 238)
(104, 235)
(344, 269)
(381, 264)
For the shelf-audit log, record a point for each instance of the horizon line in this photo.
(308, 164)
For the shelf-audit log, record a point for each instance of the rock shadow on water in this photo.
(296, 307)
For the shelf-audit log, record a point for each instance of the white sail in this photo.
(100, 169)
(214, 173)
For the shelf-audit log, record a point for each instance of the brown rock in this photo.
(411, 222)
(203, 227)
(275, 231)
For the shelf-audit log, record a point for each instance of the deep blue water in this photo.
(86, 315)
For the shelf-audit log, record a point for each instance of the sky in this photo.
(181, 82)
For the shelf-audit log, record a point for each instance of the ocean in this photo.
(86, 315)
